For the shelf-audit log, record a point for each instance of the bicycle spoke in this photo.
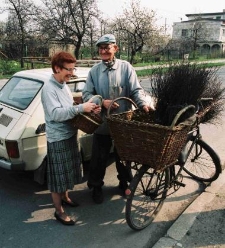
(148, 190)
(202, 163)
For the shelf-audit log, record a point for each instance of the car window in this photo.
(19, 92)
(76, 86)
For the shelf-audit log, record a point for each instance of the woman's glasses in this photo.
(69, 69)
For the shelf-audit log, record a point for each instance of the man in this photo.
(111, 78)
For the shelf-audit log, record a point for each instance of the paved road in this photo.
(2, 82)
(201, 225)
(27, 220)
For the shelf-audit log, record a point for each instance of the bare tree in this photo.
(68, 20)
(195, 32)
(199, 32)
(20, 15)
(137, 26)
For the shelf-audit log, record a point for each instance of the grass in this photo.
(149, 71)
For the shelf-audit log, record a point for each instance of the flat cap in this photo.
(106, 39)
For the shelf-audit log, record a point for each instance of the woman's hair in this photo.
(60, 58)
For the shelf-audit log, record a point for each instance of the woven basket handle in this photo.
(120, 98)
(97, 96)
(179, 114)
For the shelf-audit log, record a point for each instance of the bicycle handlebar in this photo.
(179, 114)
(203, 99)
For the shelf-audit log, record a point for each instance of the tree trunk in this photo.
(133, 53)
(22, 53)
(77, 49)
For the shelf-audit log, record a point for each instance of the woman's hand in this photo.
(97, 109)
(91, 107)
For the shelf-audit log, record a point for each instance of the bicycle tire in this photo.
(145, 196)
(202, 164)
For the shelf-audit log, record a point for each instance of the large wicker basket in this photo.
(88, 122)
(138, 139)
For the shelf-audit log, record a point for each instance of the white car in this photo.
(22, 125)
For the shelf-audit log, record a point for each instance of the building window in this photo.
(218, 17)
(223, 32)
(184, 33)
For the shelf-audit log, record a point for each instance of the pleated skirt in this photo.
(64, 165)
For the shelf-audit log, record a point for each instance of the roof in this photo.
(202, 14)
(201, 20)
(44, 73)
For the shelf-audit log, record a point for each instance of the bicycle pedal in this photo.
(179, 183)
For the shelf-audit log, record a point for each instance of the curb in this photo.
(185, 221)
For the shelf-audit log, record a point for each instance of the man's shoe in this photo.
(123, 185)
(89, 185)
(97, 195)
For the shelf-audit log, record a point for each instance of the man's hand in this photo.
(148, 108)
(106, 104)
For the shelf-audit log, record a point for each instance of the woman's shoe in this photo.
(68, 223)
(71, 204)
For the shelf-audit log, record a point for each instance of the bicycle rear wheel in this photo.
(145, 196)
(203, 164)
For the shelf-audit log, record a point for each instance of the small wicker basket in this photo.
(138, 139)
(88, 122)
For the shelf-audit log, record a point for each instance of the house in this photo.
(56, 45)
(203, 32)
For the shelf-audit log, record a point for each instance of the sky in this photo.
(168, 11)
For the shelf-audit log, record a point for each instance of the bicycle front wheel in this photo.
(145, 196)
(203, 164)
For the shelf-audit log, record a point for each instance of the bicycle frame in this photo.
(176, 177)
(193, 136)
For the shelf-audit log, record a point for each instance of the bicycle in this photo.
(149, 187)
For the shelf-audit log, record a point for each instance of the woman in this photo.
(64, 167)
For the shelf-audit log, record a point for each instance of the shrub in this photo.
(9, 67)
(184, 84)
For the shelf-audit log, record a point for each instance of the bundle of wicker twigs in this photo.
(184, 84)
